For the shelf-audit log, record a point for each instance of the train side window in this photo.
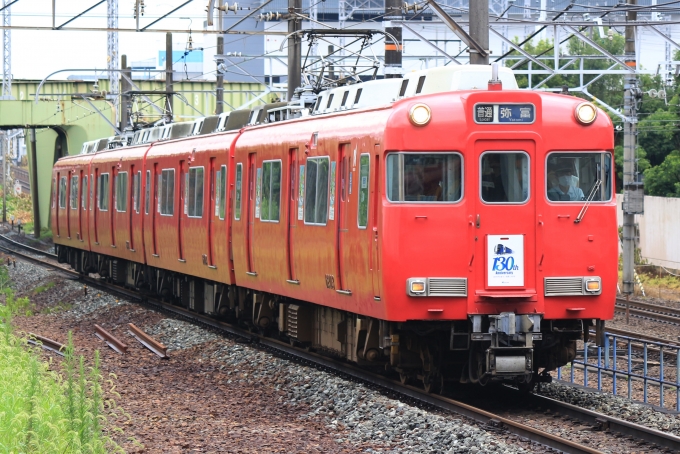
(237, 198)
(316, 191)
(103, 192)
(221, 191)
(195, 192)
(73, 195)
(572, 177)
(271, 191)
(147, 192)
(120, 191)
(166, 198)
(504, 177)
(83, 195)
(364, 176)
(424, 177)
(136, 178)
(62, 192)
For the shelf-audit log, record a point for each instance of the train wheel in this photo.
(433, 383)
(403, 378)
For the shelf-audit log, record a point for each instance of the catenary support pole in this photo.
(629, 136)
(294, 47)
(479, 30)
(125, 98)
(34, 186)
(4, 178)
(393, 47)
(219, 84)
(168, 76)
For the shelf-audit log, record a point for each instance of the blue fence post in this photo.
(661, 375)
(585, 364)
(630, 369)
(559, 373)
(677, 379)
(599, 368)
(614, 356)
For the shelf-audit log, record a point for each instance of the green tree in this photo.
(664, 179)
(658, 135)
(642, 163)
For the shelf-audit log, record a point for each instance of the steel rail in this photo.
(47, 344)
(27, 247)
(655, 308)
(113, 342)
(450, 405)
(148, 341)
(644, 337)
(650, 311)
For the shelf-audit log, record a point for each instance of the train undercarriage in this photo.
(519, 348)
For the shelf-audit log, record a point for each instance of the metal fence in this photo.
(643, 370)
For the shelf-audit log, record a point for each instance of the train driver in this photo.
(565, 190)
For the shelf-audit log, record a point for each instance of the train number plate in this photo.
(505, 261)
(504, 113)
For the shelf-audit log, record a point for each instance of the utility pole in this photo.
(393, 39)
(219, 85)
(294, 47)
(479, 30)
(6, 52)
(4, 178)
(125, 98)
(34, 186)
(168, 76)
(112, 45)
(633, 193)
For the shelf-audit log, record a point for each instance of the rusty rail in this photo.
(110, 339)
(148, 341)
(47, 344)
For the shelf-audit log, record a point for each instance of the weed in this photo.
(43, 288)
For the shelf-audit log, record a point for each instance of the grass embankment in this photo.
(41, 410)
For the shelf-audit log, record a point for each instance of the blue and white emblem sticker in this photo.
(505, 261)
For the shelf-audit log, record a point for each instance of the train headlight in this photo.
(419, 114)
(416, 286)
(585, 113)
(592, 285)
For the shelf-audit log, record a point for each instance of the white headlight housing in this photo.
(585, 113)
(419, 114)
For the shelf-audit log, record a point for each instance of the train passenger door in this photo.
(78, 207)
(341, 222)
(183, 209)
(133, 207)
(292, 213)
(374, 209)
(93, 201)
(503, 223)
(155, 207)
(112, 205)
(212, 210)
(252, 163)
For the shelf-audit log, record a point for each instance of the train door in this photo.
(252, 163)
(69, 186)
(504, 222)
(292, 213)
(183, 208)
(341, 222)
(59, 192)
(212, 211)
(155, 207)
(95, 183)
(374, 207)
(78, 207)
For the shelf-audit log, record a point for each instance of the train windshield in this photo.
(574, 177)
(424, 177)
(505, 177)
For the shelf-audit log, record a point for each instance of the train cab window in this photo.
(166, 191)
(103, 192)
(73, 195)
(424, 177)
(62, 192)
(147, 191)
(194, 192)
(271, 191)
(504, 177)
(221, 191)
(316, 191)
(83, 194)
(237, 197)
(120, 191)
(572, 177)
(364, 167)
(135, 191)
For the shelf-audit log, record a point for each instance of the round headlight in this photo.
(419, 115)
(585, 113)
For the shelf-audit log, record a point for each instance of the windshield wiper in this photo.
(590, 198)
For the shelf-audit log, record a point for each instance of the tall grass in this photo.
(42, 411)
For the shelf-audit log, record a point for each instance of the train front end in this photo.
(500, 218)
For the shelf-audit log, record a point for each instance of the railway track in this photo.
(484, 417)
(649, 311)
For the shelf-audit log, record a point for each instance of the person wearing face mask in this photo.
(566, 189)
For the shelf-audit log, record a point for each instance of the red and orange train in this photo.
(436, 226)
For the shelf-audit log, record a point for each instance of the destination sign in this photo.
(504, 113)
